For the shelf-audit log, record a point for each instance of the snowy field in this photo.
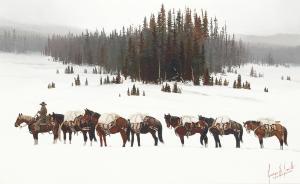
(23, 85)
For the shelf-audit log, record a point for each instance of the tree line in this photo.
(12, 40)
(173, 45)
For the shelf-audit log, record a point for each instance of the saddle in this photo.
(106, 127)
(136, 127)
(269, 128)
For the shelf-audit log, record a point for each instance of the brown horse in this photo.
(87, 124)
(227, 128)
(186, 129)
(30, 122)
(143, 124)
(111, 124)
(267, 130)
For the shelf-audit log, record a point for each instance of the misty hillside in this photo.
(278, 39)
(37, 29)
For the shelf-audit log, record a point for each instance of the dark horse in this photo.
(87, 125)
(187, 129)
(30, 122)
(227, 128)
(142, 124)
(59, 119)
(267, 130)
(111, 124)
(209, 122)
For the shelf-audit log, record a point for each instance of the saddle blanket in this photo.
(71, 115)
(108, 118)
(137, 118)
(188, 119)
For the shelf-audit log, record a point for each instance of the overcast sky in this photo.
(261, 17)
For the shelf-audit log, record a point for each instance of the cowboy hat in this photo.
(43, 104)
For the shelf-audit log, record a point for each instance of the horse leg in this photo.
(154, 137)
(216, 140)
(104, 138)
(94, 134)
(237, 140)
(65, 136)
(132, 138)
(70, 137)
(35, 138)
(219, 142)
(91, 137)
(124, 137)
(84, 137)
(101, 139)
(261, 142)
(205, 138)
(182, 140)
(279, 137)
(138, 139)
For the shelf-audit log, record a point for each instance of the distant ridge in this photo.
(289, 40)
(38, 29)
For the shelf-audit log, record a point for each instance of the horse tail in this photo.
(128, 130)
(241, 133)
(160, 133)
(285, 135)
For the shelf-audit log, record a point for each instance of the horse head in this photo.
(57, 118)
(18, 121)
(87, 115)
(200, 117)
(249, 125)
(202, 124)
(168, 120)
(23, 119)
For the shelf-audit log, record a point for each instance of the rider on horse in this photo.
(43, 116)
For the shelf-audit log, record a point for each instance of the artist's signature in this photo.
(280, 171)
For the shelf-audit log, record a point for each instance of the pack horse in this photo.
(111, 123)
(263, 129)
(143, 124)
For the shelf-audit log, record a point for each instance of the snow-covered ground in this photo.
(23, 85)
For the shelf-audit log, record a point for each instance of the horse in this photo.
(143, 124)
(186, 129)
(267, 130)
(87, 124)
(209, 122)
(30, 122)
(71, 124)
(226, 128)
(59, 119)
(111, 123)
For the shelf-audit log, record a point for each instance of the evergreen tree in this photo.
(86, 82)
(239, 81)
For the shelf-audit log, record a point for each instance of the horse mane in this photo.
(26, 117)
(89, 112)
(96, 115)
(209, 121)
(59, 117)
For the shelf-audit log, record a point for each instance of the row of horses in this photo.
(90, 123)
